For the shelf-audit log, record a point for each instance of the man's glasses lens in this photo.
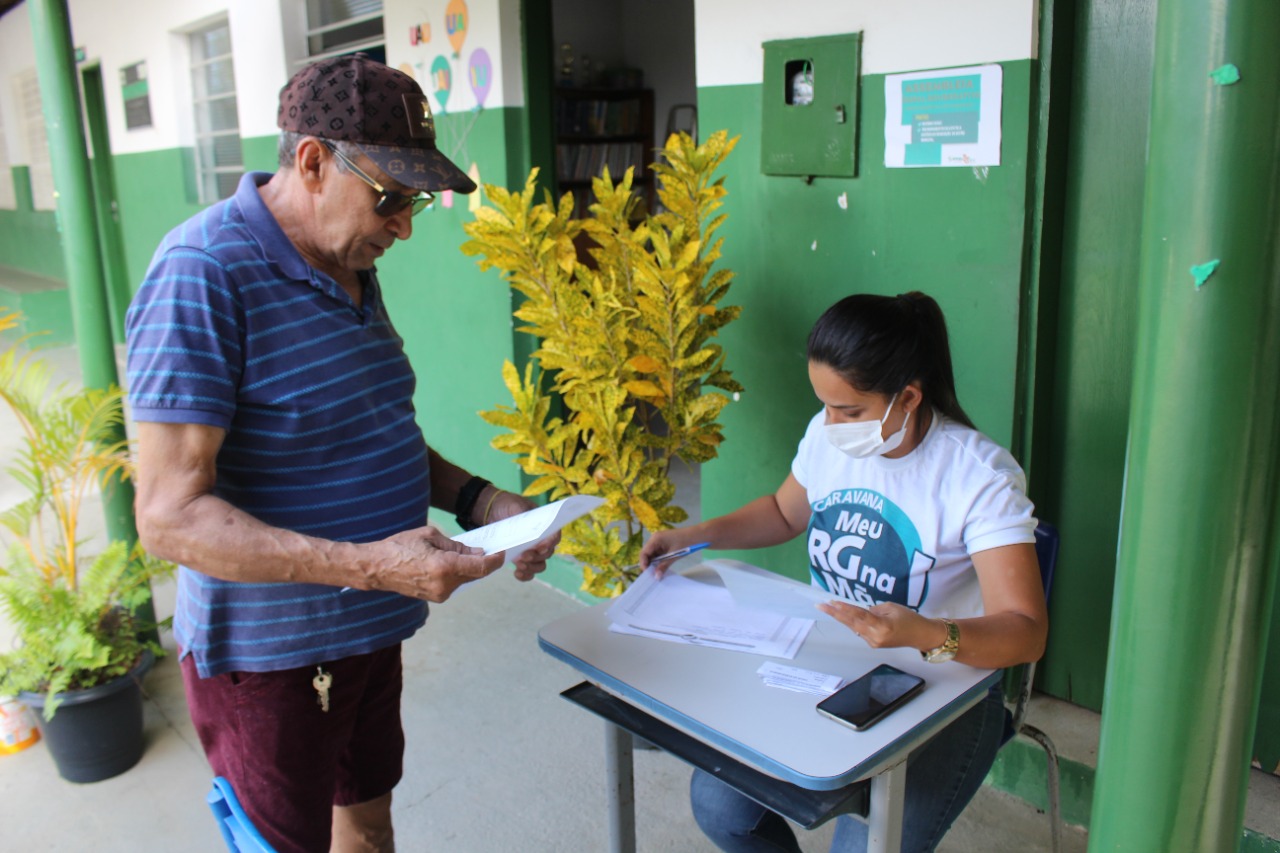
(389, 202)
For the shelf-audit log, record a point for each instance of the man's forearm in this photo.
(213, 537)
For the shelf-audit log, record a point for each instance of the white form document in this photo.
(678, 609)
(517, 534)
(757, 588)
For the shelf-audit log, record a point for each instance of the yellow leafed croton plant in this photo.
(627, 377)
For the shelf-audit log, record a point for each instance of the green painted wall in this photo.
(1083, 483)
(29, 238)
(957, 234)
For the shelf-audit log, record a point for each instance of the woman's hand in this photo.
(664, 542)
(888, 626)
(1011, 631)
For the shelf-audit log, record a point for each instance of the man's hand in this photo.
(424, 563)
(505, 505)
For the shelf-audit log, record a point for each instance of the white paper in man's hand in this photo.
(519, 533)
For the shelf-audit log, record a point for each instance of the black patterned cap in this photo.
(381, 110)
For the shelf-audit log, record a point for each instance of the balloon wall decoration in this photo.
(441, 80)
(480, 71)
(456, 21)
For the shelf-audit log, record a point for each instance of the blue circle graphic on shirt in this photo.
(862, 546)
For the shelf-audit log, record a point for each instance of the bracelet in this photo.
(489, 506)
(466, 503)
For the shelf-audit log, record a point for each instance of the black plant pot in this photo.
(95, 733)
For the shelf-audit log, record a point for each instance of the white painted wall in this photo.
(115, 34)
(898, 35)
(492, 25)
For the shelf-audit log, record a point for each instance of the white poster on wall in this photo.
(949, 117)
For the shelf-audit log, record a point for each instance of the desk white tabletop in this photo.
(716, 696)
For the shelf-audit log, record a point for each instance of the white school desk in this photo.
(709, 707)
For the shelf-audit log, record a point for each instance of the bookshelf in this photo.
(603, 127)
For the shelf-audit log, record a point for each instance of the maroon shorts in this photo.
(289, 761)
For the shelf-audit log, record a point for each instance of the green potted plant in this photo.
(79, 651)
(627, 377)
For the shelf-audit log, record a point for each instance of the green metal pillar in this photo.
(1198, 550)
(77, 223)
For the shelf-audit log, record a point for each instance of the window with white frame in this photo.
(219, 159)
(336, 27)
(8, 195)
(39, 164)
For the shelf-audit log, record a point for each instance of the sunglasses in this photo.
(389, 202)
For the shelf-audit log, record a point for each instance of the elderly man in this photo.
(281, 465)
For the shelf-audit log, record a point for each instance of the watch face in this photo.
(940, 655)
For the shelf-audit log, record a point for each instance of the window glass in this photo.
(219, 156)
(38, 160)
(343, 26)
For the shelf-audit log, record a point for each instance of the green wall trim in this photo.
(1020, 770)
(46, 313)
(566, 576)
(22, 188)
(1254, 842)
(29, 239)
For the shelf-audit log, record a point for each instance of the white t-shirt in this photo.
(903, 530)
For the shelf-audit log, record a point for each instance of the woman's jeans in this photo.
(942, 776)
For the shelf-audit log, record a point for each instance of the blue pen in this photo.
(683, 552)
(675, 555)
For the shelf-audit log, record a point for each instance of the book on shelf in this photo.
(598, 117)
(582, 162)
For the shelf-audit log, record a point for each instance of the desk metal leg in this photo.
(888, 792)
(621, 791)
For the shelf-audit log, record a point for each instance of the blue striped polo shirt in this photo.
(231, 328)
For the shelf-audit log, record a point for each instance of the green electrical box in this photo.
(810, 110)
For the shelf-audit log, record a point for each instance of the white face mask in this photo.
(861, 439)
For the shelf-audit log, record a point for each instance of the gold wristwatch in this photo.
(946, 651)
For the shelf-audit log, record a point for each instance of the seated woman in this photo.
(911, 511)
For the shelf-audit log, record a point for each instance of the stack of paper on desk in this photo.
(682, 610)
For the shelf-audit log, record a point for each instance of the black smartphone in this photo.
(866, 700)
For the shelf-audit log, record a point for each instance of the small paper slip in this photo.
(797, 679)
(757, 588)
(681, 610)
(517, 534)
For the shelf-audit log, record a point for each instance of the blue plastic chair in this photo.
(237, 830)
(1047, 557)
